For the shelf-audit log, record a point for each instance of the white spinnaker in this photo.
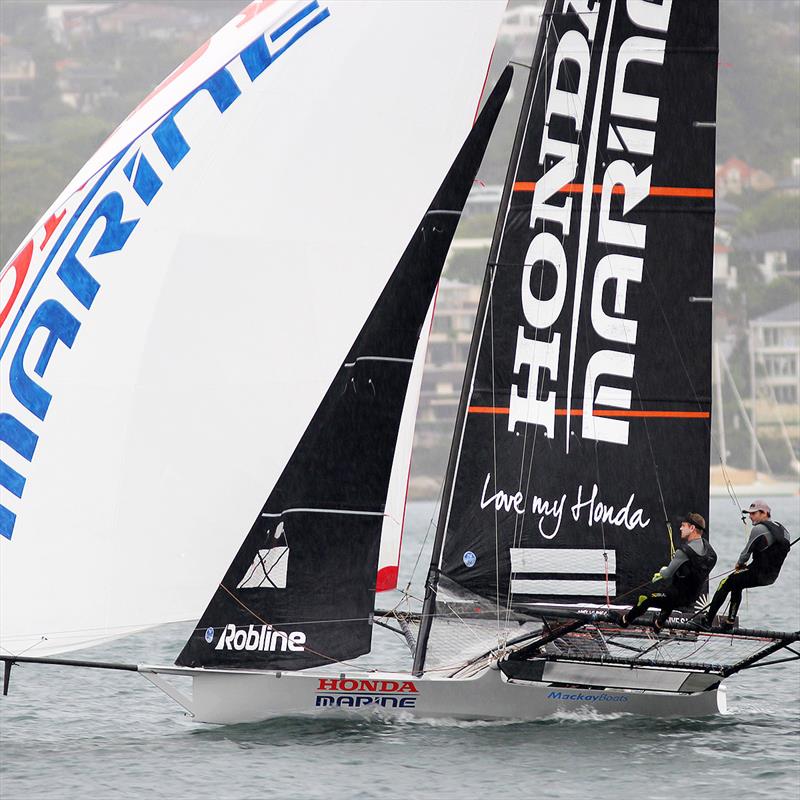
(222, 316)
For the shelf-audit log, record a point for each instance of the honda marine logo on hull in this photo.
(352, 693)
(260, 637)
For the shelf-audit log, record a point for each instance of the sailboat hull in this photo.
(231, 697)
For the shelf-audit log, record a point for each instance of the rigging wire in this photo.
(437, 509)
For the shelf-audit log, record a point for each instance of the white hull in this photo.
(230, 697)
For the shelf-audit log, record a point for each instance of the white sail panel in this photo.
(165, 349)
(394, 518)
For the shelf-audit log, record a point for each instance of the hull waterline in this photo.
(231, 697)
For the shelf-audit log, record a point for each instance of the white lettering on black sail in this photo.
(583, 422)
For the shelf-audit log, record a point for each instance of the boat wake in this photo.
(586, 715)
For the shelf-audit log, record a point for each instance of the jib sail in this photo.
(300, 591)
(585, 416)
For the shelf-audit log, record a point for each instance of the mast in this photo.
(432, 579)
(720, 413)
(753, 412)
(745, 416)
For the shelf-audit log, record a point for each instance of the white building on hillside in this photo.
(775, 348)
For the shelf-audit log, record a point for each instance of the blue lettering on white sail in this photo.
(23, 441)
(171, 142)
(62, 325)
(146, 182)
(116, 232)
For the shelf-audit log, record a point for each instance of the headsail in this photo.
(301, 589)
(154, 319)
(585, 415)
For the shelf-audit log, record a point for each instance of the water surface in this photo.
(90, 733)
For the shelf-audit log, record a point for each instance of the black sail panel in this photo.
(300, 591)
(586, 410)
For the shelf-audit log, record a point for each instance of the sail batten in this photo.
(377, 513)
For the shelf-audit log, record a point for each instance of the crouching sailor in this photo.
(768, 546)
(681, 582)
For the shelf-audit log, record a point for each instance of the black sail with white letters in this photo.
(584, 424)
(300, 591)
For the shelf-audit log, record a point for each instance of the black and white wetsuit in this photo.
(681, 581)
(768, 546)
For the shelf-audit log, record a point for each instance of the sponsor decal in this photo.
(209, 635)
(51, 288)
(358, 693)
(588, 697)
(268, 570)
(702, 602)
(588, 507)
(258, 637)
(563, 571)
(470, 558)
(546, 342)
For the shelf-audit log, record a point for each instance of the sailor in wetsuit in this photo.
(768, 545)
(679, 583)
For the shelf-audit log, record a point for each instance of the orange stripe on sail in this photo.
(655, 191)
(578, 412)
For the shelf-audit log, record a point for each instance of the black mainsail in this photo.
(584, 422)
(300, 591)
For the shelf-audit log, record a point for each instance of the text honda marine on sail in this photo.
(544, 355)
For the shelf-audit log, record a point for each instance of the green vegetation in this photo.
(770, 212)
(44, 141)
(758, 113)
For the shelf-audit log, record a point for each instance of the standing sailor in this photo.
(681, 582)
(768, 545)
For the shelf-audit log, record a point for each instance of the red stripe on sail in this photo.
(655, 191)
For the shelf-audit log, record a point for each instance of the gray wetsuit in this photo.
(753, 544)
(698, 545)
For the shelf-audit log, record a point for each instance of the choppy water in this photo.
(83, 733)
